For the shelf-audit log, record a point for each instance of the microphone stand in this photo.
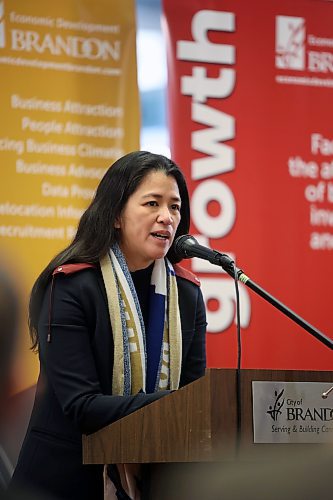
(228, 265)
(187, 246)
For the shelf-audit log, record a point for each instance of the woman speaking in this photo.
(117, 324)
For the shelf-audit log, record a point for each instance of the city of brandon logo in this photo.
(290, 42)
(2, 24)
(275, 410)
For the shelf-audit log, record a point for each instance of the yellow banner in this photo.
(69, 108)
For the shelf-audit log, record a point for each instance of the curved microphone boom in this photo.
(186, 246)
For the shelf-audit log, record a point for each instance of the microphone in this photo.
(325, 394)
(186, 246)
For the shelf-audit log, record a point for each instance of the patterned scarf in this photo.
(143, 361)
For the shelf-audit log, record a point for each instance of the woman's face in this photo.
(149, 220)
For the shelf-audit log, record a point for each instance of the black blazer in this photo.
(74, 389)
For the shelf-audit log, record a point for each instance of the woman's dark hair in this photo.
(96, 231)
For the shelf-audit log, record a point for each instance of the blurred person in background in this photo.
(8, 335)
(9, 325)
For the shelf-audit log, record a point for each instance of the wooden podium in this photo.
(197, 423)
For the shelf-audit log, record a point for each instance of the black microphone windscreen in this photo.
(180, 245)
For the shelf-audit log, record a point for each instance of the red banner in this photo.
(250, 99)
